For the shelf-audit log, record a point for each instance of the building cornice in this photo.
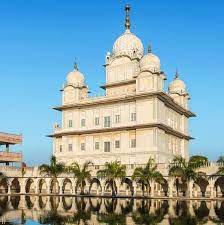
(168, 101)
(117, 84)
(161, 126)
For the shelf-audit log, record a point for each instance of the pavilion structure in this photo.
(6, 156)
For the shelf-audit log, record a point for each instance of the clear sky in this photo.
(39, 41)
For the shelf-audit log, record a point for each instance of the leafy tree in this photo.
(220, 171)
(185, 171)
(52, 170)
(112, 172)
(144, 175)
(81, 173)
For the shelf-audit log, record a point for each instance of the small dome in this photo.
(150, 62)
(128, 44)
(76, 78)
(177, 86)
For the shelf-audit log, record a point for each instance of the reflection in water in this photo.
(57, 210)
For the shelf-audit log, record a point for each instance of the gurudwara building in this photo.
(135, 119)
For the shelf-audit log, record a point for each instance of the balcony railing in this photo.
(10, 156)
(10, 138)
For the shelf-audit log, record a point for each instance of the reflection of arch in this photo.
(95, 204)
(219, 186)
(54, 186)
(67, 186)
(3, 186)
(95, 186)
(202, 184)
(42, 186)
(67, 202)
(129, 185)
(15, 201)
(15, 186)
(202, 211)
(29, 203)
(42, 202)
(54, 200)
(3, 204)
(219, 210)
(30, 186)
(110, 204)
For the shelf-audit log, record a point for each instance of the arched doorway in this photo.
(3, 186)
(15, 186)
(54, 186)
(200, 186)
(219, 186)
(42, 185)
(95, 186)
(127, 185)
(67, 186)
(30, 186)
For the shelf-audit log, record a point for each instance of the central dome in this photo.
(128, 44)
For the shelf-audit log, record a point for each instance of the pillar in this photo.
(170, 187)
(152, 185)
(190, 189)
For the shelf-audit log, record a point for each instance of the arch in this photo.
(67, 186)
(42, 186)
(15, 186)
(165, 187)
(54, 186)
(219, 186)
(4, 186)
(128, 184)
(202, 184)
(30, 186)
(95, 186)
(181, 188)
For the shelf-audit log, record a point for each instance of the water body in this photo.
(58, 210)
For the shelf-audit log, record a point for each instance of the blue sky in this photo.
(39, 41)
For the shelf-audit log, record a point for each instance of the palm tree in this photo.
(112, 172)
(144, 175)
(82, 174)
(52, 170)
(220, 171)
(185, 171)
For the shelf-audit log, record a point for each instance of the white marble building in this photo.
(135, 119)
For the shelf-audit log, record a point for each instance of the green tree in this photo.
(220, 171)
(53, 170)
(81, 173)
(113, 171)
(185, 171)
(144, 175)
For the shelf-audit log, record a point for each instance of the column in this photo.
(190, 189)
(170, 188)
(152, 185)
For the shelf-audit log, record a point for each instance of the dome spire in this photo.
(75, 65)
(176, 74)
(127, 18)
(149, 48)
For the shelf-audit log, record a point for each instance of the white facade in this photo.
(135, 120)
